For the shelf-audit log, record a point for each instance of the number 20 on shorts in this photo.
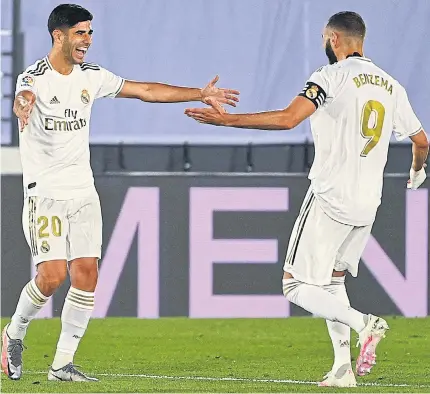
(43, 222)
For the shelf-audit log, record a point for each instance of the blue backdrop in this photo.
(266, 49)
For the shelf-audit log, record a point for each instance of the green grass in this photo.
(293, 348)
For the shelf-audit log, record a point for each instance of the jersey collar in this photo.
(48, 63)
(356, 55)
(46, 58)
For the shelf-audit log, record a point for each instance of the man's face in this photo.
(76, 42)
(328, 48)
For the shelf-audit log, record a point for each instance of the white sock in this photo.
(320, 302)
(30, 302)
(340, 333)
(76, 314)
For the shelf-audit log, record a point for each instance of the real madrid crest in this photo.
(45, 247)
(85, 96)
(312, 92)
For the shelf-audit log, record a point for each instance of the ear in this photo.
(335, 39)
(58, 36)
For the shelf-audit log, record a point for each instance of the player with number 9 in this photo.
(353, 106)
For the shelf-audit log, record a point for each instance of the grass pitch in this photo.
(220, 355)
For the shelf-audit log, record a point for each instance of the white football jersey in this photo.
(54, 146)
(358, 107)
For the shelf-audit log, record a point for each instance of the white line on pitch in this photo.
(229, 379)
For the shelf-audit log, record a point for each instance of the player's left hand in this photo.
(223, 96)
(416, 178)
(216, 115)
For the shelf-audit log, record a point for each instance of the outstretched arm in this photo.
(162, 93)
(312, 96)
(286, 119)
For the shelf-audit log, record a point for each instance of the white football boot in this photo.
(69, 374)
(369, 338)
(343, 377)
(11, 355)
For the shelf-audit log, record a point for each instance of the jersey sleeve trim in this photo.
(401, 137)
(119, 88)
(416, 132)
(41, 68)
(315, 93)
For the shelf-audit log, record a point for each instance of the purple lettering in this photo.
(140, 212)
(204, 251)
(409, 293)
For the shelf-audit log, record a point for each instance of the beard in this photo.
(329, 52)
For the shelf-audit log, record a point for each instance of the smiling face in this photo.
(74, 42)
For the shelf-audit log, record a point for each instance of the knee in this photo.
(50, 276)
(289, 286)
(84, 274)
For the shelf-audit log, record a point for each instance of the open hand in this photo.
(215, 115)
(223, 96)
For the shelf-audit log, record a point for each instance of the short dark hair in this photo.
(66, 16)
(349, 22)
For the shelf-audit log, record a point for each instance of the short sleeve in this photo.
(109, 84)
(406, 123)
(25, 81)
(316, 88)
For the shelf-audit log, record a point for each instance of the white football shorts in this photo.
(62, 229)
(318, 245)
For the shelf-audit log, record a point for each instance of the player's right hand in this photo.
(223, 96)
(416, 178)
(22, 108)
